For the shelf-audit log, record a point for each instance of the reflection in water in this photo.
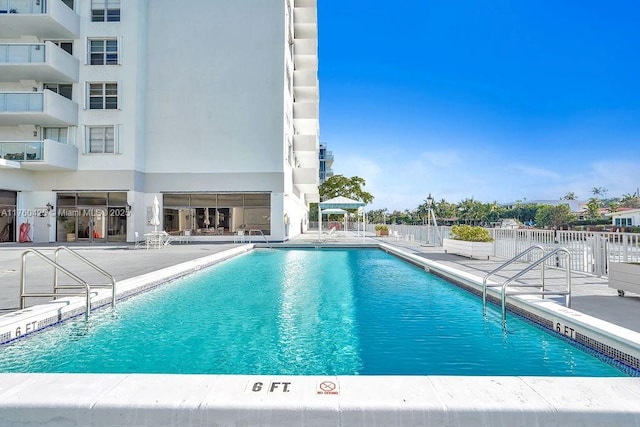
(306, 303)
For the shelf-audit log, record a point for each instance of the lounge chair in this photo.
(328, 235)
(166, 239)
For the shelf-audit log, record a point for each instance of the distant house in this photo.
(625, 217)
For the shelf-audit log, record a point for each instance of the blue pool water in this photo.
(303, 312)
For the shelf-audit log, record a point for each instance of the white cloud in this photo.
(401, 178)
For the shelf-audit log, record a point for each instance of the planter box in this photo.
(468, 249)
(624, 276)
(382, 232)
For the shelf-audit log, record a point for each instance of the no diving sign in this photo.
(328, 387)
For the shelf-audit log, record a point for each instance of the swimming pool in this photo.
(303, 312)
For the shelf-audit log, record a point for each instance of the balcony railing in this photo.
(45, 108)
(43, 155)
(21, 53)
(41, 18)
(19, 102)
(37, 61)
(32, 151)
(23, 6)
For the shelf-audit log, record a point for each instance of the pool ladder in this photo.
(540, 261)
(82, 284)
(263, 236)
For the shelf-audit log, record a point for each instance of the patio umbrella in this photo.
(206, 217)
(155, 219)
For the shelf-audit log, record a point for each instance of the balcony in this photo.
(305, 143)
(40, 155)
(42, 62)
(307, 159)
(306, 179)
(41, 18)
(305, 117)
(328, 157)
(45, 108)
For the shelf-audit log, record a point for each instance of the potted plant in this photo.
(466, 240)
(68, 224)
(382, 230)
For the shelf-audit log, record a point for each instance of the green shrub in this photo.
(381, 227)
(470, 234)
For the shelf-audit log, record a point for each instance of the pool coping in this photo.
(100, 399)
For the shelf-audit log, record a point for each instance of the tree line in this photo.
(474, 212)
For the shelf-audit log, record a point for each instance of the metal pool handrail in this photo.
(23, 281)
(90, 264)
(263, 236)
(566, 293)
(511, 261)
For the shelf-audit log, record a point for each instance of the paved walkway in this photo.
(590, 295)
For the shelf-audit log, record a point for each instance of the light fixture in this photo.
(49, 207)
(429, 200)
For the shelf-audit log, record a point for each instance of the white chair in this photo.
(186, 236)
(138, 241)
(166, 239)
(239, 236)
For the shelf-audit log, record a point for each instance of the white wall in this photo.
(215, 86)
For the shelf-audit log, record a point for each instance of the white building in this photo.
(625, 217)
(211, 106)
(326, 163)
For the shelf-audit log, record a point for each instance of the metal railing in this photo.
(23, 282)
(90, 264)
(511, 261)
(591, 251)
(542, 291)
(56, 287)
(262, 234)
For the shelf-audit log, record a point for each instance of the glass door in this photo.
(92, 224)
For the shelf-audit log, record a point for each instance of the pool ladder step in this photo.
(504, 291)
(81, 284)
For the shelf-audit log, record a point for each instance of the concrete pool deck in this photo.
(33, 399)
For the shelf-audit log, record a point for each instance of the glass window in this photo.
(59, 88)
(8, 197)
(118, 199)
(101, 139)
(66, 46)
(230, 200)
(57, 134)
(103, 96)
(203, 200)
(92, 199)
(66, 199)
(105, 10)
(177, 200)
(103, 52)
(257, 199)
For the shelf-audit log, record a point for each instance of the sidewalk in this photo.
(590, 295)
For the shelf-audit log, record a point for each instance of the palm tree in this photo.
(599, 191)
(570, 196)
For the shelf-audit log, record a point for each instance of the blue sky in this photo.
(497, 100)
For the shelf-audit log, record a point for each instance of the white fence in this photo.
(591, 252)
